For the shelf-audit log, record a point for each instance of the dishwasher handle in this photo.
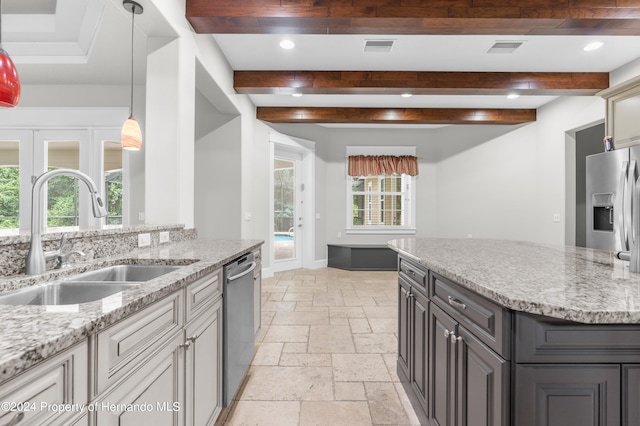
(251, 267)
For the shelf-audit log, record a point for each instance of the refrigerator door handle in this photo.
(619, 205)
(630, 227)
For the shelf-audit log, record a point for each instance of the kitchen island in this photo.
(100, 352)
(507, 332)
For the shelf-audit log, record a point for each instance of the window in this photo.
(381, 203)
(9, 184)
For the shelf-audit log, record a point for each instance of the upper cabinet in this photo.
(623, 108)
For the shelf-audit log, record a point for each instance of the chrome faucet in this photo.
(36, 259)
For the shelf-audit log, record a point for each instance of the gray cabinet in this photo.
(477, 363)
(470, 382)
(413, 329)
(630, 395)
(567, 395)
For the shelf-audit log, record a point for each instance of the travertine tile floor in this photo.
(326, 354)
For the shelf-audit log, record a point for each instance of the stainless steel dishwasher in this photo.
(238, 335)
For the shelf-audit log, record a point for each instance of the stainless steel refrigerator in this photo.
(610, 182)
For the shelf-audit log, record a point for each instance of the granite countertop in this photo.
(30, 334)
(572, 283)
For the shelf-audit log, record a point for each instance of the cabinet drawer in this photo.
(202, 292)
(257, 256)
(122, 347)
(60, 380)
(485, 319)
(413, 273)
(542, 339)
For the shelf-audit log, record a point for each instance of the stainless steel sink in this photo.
(86, 287)
(126, 273)
(64, 293)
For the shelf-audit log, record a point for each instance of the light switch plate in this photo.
(144, 240)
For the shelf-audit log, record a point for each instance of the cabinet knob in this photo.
(455, 339)
(185, 345)
(192, 339)
(16, 419)
(448, 333)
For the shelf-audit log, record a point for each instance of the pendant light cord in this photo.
(133, 17)
(0, 24)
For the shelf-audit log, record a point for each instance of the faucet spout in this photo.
(36, 263)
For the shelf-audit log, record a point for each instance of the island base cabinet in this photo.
(567, 395)
(203, 360)
(470, 382)
(152, 395)
(631, 395)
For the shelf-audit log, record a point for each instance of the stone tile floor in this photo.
(326, 354)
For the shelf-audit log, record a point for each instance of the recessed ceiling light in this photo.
(406, 95)
(287, 44)
(296, 95)
(513, 96)
(593, 46)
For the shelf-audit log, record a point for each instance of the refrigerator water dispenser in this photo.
(602, 212)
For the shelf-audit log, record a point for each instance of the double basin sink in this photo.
(86, 287)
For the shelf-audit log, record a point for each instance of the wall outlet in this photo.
(144, 240)
(141, 216)
(164, 237)
(469, 235)
(247, 216)
(339, 234)
(556, 217)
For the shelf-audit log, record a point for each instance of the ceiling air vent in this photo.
(378, 45)
(505, 46)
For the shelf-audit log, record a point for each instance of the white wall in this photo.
(510, 187)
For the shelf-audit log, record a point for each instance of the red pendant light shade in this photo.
(9, 81)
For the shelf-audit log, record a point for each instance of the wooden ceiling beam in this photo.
(395, 115)
(446, 17)
(419, 83)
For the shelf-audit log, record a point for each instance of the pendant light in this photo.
(131, 137)
(9, 81)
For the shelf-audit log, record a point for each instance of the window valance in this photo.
(372, 165)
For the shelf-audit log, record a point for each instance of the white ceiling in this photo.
(87, 42)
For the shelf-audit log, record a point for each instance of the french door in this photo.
(288, 212)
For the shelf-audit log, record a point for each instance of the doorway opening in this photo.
(291, 241)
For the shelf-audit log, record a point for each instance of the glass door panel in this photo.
(63, 194)
(9, 184)
(113, 192)
(284, 209)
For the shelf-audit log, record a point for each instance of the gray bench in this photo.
(362, 257)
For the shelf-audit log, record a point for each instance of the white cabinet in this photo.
(37, 395)
(119, 350)
(163, 365)
(151, 395)
(159, 366)
(203, 362)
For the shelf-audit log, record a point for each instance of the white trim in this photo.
(371, 230)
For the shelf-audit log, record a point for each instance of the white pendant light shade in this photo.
(131, 137)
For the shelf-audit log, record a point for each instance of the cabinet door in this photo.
(483, 384)
(442, 367)
(204, 367)
(567, 395)
(404, 310)
(152, 395)
(56, 382)
(631, 395)
(419, 347)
